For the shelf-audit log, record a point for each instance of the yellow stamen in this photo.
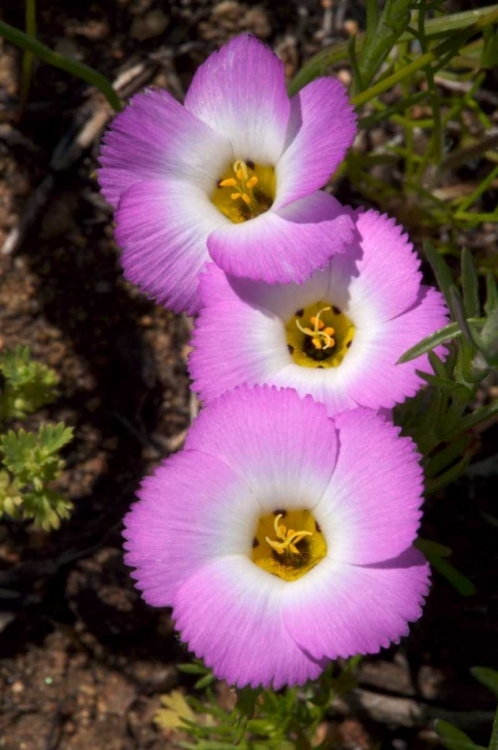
(289, 538)
(316, 333)
(240, 169)
(245, 191)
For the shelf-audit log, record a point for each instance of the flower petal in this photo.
(191, 511)
(372, 376)
(240, 92)
(282, 446)
(284, 246)
(326, 386)
(229, 614)
(239, 336)
(371, 509)
(162, 228)
(339, 610)
(216, 366)
(322, 126)
(378, 278)
(154, 138)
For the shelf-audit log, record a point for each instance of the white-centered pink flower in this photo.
(232, 176)
(337, 337)
(282, 538)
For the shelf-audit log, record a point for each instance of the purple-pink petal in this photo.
(161, 227)
(378, 278)
(322, 126)
(373, 500)
(256, 433)
(155, 137)
(381, 380)
(240, 92)
(182, 522)
(229, 614)
(348, 609)
(286, 245)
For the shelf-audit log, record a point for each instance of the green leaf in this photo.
(458, 580)
(487, 677)
(243, 711)
(441, 270)
(197, 667)
(28, 384)
(491, 294)
(449, 332)
(205, 681)
(489, 56)
(453, 738)
(428, 547)
(447, 455)
(78, 69)
(469, 285)
(456, 471)
(53, 437)
(489, 336)
(458, 389)
(17, 448)
(382, 33)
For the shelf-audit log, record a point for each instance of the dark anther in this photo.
(348, 344)
(319, 367)
(279, 512)
(317, 527)
(218, 184)
(336, 310)
(299, 313)
(290, 348)
(255, 543)
(250, 164)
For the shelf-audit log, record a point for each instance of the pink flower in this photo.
(282, 537)
(232, 176)
(337, 337)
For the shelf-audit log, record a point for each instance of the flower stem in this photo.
(74, 67)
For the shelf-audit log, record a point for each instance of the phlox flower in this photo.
(337, 337)
(282, 537)
(233, 175)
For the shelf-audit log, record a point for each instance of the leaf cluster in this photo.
(30, 461)
(25, 385)
(261, 719)
(440, 418)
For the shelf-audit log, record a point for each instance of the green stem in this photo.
(434, 27)
(434, 56)
(77, 69)
(27, 60)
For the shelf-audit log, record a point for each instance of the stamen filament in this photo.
(289, 538)
(316, 333)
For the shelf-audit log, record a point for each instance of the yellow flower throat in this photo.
(245, 191)
(319, 335)
(284, 552)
